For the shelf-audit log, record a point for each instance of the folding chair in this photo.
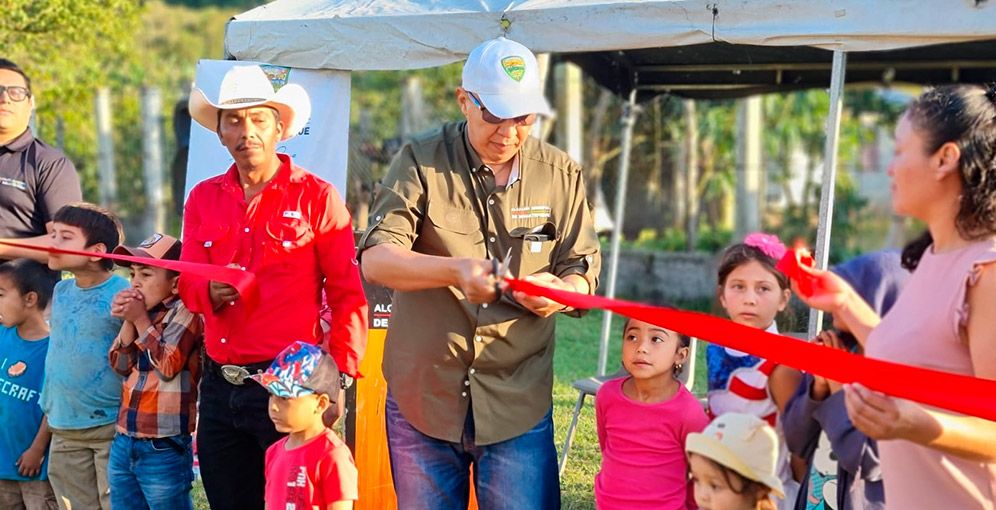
(590, 386)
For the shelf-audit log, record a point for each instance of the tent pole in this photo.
(627, 121)
(822, 249)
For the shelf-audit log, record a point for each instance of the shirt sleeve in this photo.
(343, 287)
(600, 416)
(193, 290)
(58, 185)
(339, 480)
(399, 208)
(121, 357)
(168, 343)
(802, 432)
(854, 450)
(579, 249)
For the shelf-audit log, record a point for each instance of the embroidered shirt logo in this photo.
(14, 183)
(514, 67)
(531, 211)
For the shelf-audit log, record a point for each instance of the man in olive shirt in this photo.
(469, 370)
(35, 179)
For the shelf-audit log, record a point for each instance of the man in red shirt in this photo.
(291, 229)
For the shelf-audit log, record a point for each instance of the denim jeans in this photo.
(151, 474)
(233, 432)
(519, 473)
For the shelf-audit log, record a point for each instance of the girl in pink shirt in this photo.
(643, 420)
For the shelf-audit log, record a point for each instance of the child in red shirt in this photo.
(311, 467)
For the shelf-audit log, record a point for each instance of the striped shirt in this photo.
(161, 369)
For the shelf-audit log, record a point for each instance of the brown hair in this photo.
(683, 340)
(743, 486)
(966, 116)
(740, 254)
(98, 225)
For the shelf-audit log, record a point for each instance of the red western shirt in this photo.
(296, 236)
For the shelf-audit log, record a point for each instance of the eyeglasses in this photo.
(15, 93)
(490, 118)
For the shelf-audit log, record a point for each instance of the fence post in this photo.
(105, 150)
(152, 159)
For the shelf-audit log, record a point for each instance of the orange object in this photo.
(368, 425)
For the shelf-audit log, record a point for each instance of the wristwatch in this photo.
(345, 380)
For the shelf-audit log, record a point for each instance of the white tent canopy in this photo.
(400, 34)
(702, 46)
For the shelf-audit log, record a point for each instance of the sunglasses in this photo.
(15, 93)
(490, 118)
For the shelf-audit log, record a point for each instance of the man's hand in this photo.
(335, 410)
(540, 305)
(475, 280)
(29, 463)
(222, 294)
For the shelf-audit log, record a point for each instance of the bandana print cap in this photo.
(300, 369)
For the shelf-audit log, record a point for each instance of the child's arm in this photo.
(340, 505)
(122, 353)
(30, 462)
(782, 385)
(170, 342)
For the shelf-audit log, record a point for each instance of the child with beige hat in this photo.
(733, 464)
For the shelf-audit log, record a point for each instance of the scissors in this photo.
(500, 270)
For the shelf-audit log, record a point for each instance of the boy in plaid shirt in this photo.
(158, 352)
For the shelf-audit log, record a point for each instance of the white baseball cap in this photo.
(504, 75)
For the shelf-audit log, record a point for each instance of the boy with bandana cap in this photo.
(310, 467)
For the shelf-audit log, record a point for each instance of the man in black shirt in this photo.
(35, 178)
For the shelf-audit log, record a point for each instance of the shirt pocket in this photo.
(288, 240)
(534, 247)
(454, 231)
(217, 242)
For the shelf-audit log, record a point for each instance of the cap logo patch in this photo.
(514, 67)
(153, 239)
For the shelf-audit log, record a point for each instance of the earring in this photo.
(677, 366)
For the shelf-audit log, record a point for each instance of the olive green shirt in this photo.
(444, 354)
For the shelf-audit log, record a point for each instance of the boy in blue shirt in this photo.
(82, 393)
(25, 291)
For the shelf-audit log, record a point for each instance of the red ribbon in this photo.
(958, 393)
(796, 264)
(243, 281)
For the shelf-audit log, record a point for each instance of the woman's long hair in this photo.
(966, 116)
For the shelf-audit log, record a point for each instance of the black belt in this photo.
(235, 374)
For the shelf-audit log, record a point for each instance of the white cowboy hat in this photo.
(248, 86)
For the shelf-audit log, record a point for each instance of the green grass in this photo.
(576, 358)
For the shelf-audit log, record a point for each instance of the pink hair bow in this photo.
(769, 244)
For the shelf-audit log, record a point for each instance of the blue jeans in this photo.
(151, 474)
(429, 473)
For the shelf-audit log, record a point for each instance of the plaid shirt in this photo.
(161, 369)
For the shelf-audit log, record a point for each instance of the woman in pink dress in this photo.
(943, 174)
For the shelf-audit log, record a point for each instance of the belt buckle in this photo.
(234, 374)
